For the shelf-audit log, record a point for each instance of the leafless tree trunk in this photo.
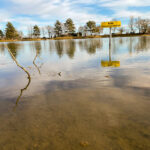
(49, 31)
(121, 30)
(138, 24)
(30, 31)
(114, 28)
(43, 31)
(131, 24)
(145, 23)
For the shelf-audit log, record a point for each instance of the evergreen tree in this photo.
(91, 25)
(70, 26)
(131, 24)
(1, 34)
(36, 31)
(58, 28)
(49, 31)
(11, 32)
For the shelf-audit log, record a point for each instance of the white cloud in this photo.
(56, 10)
(125, 3)
(4, 16)
(51, 10)
(47, 11)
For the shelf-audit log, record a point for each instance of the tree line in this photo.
(135, 25)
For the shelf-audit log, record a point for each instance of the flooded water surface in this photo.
(75, 94)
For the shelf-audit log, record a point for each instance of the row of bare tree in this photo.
(135, 25)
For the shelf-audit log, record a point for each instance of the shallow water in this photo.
(75, 94)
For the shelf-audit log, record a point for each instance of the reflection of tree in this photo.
(29, 77)
(71, 48)
(2, 48)
(13, 47)
(90, 45)
(38, 51)
(81, 44)
(31, 46)
(59, 48)
(114, 49)
(38, 48)
(116, 44)
(131, 45)
(120, 41)
(143, 44)
(51, 46)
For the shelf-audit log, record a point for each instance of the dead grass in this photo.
(72, 37)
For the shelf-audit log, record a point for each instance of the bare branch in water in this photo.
(35, 63)
(29, 77)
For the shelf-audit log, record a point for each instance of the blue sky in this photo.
(23, 13)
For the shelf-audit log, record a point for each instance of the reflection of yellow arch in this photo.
(110, 63)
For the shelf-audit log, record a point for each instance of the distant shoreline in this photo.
(76, 37)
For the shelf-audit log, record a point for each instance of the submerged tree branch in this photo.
(29, 77)
(35, 63)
